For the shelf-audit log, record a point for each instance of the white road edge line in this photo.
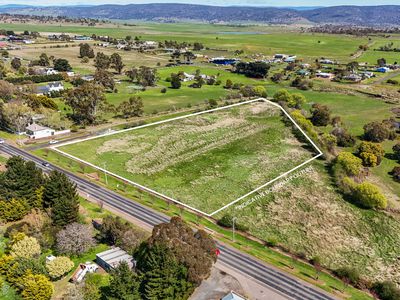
(320, 153)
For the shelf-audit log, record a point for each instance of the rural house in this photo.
(35, 131)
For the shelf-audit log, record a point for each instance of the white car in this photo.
(1, 141)
(52, 142)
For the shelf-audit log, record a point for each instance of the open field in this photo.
(308, 216)
(257, 39)
(204, 161)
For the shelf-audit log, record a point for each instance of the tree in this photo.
(102, 61)
(369, 196)
(86, 51)
(143, 75)
(175, 81)
(253, 69)
(124, 284)
(61, 195)
(131, 108)
(28, 247)
(381, 62)
(7, 90)
(37, 287)
(17, 268)
(86, 101)
(75, 239)
(105, 79)
(116, 62)
(62, 65)
(320, 115)
(59, 266)
(370, 153)
(16, 117)
(21, 180)
(195, 250)
(349, 275)
(44, 60)
(16, 63)
(351, 164)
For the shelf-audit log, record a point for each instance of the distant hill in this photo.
(169, 12)
(355, 15)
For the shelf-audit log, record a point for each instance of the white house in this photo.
(55, 86)
(35, 131)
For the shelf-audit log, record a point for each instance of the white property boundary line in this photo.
(55, 148)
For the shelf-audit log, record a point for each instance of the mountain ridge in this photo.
(167, 12)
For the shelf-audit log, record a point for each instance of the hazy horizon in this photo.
(282, 3)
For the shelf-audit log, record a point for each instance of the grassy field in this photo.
(256, 39)
(173, 99)
(202, 159)
(307, 216)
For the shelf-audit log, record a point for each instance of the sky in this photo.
(278, 3)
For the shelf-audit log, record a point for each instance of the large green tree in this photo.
(21, 180)
(124, 284)
(61, 195)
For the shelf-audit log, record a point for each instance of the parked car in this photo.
(1, 141)
(52, 142)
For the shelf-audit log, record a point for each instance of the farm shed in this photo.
(111, 259)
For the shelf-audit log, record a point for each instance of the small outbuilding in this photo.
(112, 258)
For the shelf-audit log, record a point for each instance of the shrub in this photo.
(59, 266)
(282, 96)
(396, 173)
(350, 275)
(163, 90)
(13, 210)
(28, 247)
(378, 132)
(369, 196)
(350, 163)
(396, 151)
(320, 115)
(227, 221)
(386, 290)
(370, 153)
(344, 139)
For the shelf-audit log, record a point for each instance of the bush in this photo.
(28, 247)
(163, 90)
(344, 139)
(320, 115)
(369, 196)
(347, 274)
(350, 163)
(386, 290)
(227, 221)
(13, 210)
(59, 266)
(370, 153)
(396, 173)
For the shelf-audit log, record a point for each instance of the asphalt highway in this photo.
(268, 276)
